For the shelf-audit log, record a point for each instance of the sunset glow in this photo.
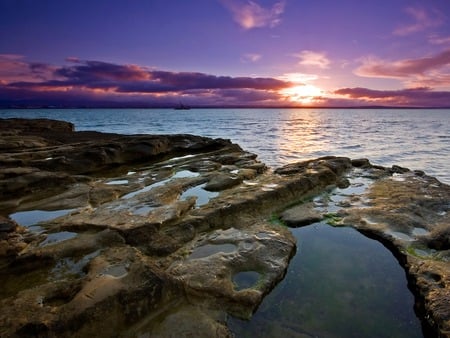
(303, 94)
(225, 53)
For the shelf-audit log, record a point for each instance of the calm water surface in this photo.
(339, 284)
(413, 138)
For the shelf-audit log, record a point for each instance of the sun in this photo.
(303, 94)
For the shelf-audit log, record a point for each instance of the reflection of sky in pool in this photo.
(57, 237)
(27, 218)
(203, 196)
(339, 284)
(245, 279)
(179, 174)
(211, 249)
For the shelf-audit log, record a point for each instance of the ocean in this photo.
(418, 139)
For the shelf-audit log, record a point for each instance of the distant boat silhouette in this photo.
(182, 107)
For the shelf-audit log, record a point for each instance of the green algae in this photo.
(333, 219)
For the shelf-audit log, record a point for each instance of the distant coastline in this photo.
(4, 107)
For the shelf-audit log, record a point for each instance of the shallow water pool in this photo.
(339, 284)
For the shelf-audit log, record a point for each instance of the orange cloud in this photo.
(413, 72)
(416, 97)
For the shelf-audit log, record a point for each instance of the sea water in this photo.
(418, 139)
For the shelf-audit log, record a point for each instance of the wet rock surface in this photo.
(113, 235)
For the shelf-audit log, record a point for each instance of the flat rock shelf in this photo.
(181, 235)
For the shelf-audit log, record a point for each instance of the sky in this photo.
(263, 53)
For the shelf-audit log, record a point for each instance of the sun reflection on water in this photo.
(300, 135)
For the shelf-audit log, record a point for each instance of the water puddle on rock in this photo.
(57, 237)
(143, 210)
(177, 175)
(185, 174)
(117, 182)
(71, 267)
(245, 280)
(31, 217)
(339, 284)
(42, 273)
(203, 196)
(117, 271)
(145, 189)
(211, 249)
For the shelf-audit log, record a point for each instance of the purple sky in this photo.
(225, 52)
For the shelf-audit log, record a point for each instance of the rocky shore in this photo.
(114, 235)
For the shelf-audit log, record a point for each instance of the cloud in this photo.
(15, 68)
(97, 81)
(133, 78)
(250, 14)
(314, 59)
(251, 57)
(93, 71)
(298, 78)
(188, 80)
(422, 20)
(415, 97)
(439, 40)
(414, 72)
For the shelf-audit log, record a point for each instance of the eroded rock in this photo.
(209, 270)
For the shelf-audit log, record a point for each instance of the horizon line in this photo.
(214, 107)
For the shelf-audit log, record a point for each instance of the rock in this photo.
(90, 269)
(439, 238)
(49, 170)
(11, 239)
(222, 181)
(209, 270)
(7, 225)
(361, 163)
(301, 215)
(38, 126)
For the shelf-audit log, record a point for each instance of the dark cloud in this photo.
(97, 81)
(185, 80)
(135, 79)
(92, 71)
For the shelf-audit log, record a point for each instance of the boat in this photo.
(182, 107)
